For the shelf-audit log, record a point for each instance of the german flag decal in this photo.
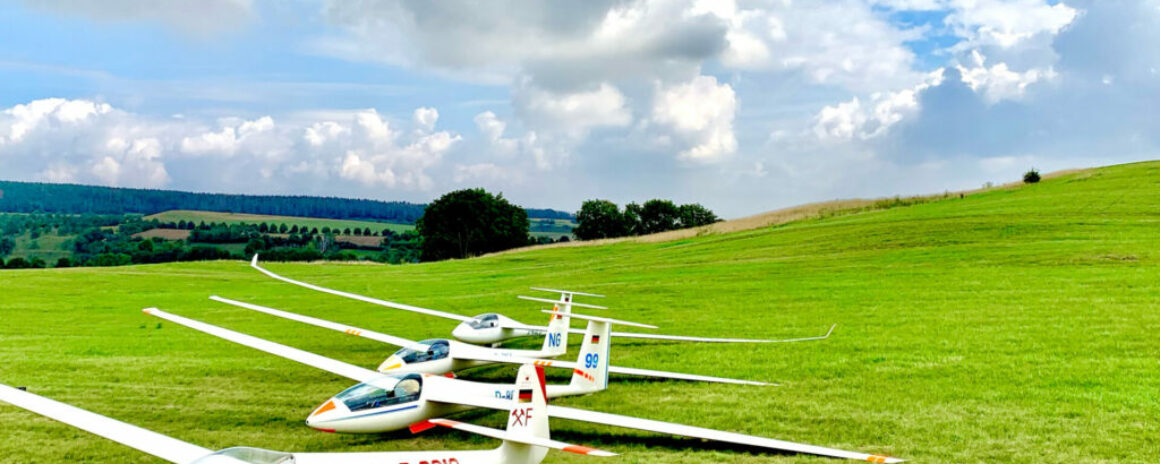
(595, 339)
(525, 395)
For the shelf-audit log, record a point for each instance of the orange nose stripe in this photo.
(326, 407)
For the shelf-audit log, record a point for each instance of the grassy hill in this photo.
(1015, 325)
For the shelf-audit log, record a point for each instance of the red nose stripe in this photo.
(578, 449)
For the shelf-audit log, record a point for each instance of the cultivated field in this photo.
(290, 221)
(1015, 325)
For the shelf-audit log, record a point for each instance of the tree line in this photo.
(604, 219)
(37, 197)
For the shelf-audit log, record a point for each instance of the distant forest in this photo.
(36, 197)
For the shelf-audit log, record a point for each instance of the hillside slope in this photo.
(1007, 326)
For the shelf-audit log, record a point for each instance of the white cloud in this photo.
(53, 112)
(493, 129)
(574, 113)
(85, 141)
(700, 114)
(1006, 23)
(376, 158)
(257, 136)
(425, 118)
(853, 119)
(998, 82)
(320, 133)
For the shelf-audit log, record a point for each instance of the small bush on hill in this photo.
(1031, 177)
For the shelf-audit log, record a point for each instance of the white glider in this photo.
(491, 328)
(384, 403)
(441, 356)
(526, 440)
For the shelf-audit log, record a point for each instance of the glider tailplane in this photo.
(527, 437)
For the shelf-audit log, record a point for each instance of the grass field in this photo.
(49, 247)
(1010, 326)
(290, 221)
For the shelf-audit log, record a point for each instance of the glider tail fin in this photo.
(591, 372)
(528, 419)
(556, 337)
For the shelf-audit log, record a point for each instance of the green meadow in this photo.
(1014, 325)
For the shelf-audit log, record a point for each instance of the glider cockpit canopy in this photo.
(247, 455)
(425, 350)
(383, 391)
(484, 321)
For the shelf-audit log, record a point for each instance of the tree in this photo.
(17, 263)
(6, 246)
(282, 228)
(695, 215)
(658, 216)
(632, 219)
(1031, 177)
(600, 219)
(346, 231)
(470, 222)
(367, 231)
(358, 231)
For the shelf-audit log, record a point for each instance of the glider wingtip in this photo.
(150, 310)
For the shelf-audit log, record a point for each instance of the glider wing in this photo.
(333, 366)
(349, 330)
(147, 441)
(367, 299)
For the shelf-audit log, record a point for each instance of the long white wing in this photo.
(502, 435)
(333, 366)
(698, 339)
(389, 304)
(147, 441)
(451, 396)
(496, 356)
(708, 434)
(349, 330)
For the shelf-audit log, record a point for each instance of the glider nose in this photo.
(329, 411)
(464, 332)
(393, 362)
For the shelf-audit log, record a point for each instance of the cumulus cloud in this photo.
(1006, 23)
(79, 140)
(576, 112)
(700, 114)
(61, 140)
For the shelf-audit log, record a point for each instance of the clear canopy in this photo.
(425, 350)
(484, 321)
(384, 391)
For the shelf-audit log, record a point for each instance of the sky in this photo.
(742, 106)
